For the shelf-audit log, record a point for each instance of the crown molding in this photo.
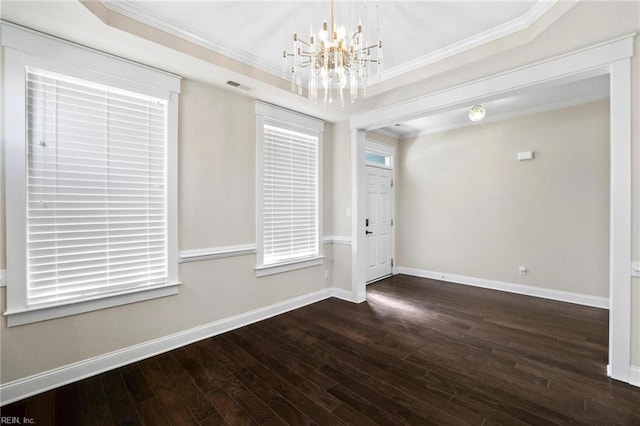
(513, 114)
(518, 24)
(141, 14)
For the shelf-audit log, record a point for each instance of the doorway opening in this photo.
(610, 58)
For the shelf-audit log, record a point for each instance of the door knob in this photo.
(368, 232)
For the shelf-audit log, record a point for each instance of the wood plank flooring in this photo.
(418, 352)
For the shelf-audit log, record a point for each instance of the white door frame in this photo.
(387, 150)
(612, 58)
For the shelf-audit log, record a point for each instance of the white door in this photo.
(378, 223)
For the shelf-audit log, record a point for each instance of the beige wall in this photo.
(467, 207)
(583, 25)
(385, 139)
(216, 208)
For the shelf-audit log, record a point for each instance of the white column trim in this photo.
(359, 211)
(620, 221)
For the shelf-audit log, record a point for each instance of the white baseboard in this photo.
(343, 294)
(562, 296)
(41, 382)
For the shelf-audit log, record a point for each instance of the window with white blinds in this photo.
(91, 143)
(96, 190)
(289, 193)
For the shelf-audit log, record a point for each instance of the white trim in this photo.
(197, 255)
(32, 385)
(518, 24)
(588, 62)
(635, 269)
(27, 316)
(635, 375)
(380, 147)
(620, 219)
(610, 58)
(22, 48)
(289, 117)
(512, 114)
(390, 151)
(3, 277)
(271, 114)
(545, 293)
(359, 212)
(263, 271)
(343, 294)
(139, 13)
(337, 239)
(47, 47)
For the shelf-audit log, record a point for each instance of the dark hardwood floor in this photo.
(418, 352)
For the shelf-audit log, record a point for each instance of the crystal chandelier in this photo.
(336, 60)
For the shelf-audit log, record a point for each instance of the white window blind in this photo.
(96, 190)
(290, 202)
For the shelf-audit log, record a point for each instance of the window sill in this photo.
(262, 271)
(27, 316)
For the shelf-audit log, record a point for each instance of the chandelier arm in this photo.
(337, 61)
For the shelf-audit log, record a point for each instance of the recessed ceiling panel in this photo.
(413, 33)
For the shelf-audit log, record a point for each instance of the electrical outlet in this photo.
(326, 274)
(522, 270)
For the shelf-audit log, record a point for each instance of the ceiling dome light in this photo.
(477, 113)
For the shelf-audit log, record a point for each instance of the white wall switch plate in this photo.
(526, 155)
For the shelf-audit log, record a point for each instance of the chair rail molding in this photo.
(196, 255)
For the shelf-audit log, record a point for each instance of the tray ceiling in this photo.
(414, 33)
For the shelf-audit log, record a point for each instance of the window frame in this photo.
(267, 114)
(22, 48)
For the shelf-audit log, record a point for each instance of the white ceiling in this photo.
(415, 34)
(515, 104)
